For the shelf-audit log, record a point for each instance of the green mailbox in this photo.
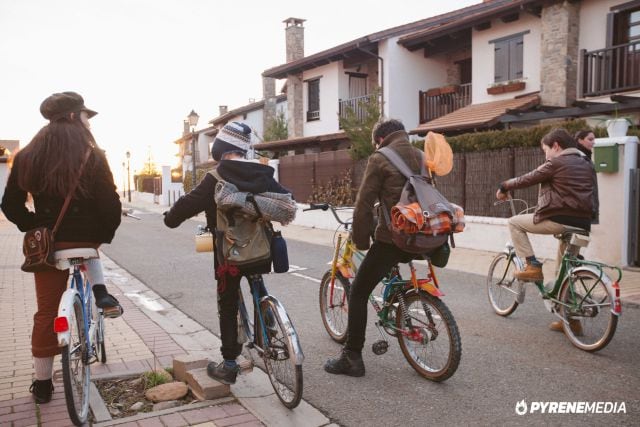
(605, 158)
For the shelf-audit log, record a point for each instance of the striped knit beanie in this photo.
(233, 137)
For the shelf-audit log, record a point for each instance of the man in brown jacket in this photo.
(383, 182)
(565, 198)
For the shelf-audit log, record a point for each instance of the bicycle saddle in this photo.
(569, 231)
(85, 253)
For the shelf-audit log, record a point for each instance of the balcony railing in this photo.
(358, 105)
(449, 99)
(610, 70)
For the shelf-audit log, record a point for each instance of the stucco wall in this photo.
(483, 71)
(329, 92)
(405, 74)
(593, 23)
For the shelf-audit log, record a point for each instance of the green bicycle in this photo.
(583, 296)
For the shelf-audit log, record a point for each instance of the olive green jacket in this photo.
(382, 182)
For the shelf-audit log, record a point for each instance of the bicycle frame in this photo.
(571, 264)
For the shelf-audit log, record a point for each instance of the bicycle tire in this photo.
(589, 335)
(335, 314)
(76, 374)
(285, 376)
(501, 291)
(420, 344)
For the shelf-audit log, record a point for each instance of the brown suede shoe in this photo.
(530, 274)
(575, 325)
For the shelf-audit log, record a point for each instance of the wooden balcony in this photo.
(610, 70)
(438, 102)
(358, 105)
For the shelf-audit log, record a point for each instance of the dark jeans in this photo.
(228, 310)
(376, 264)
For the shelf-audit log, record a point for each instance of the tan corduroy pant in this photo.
(520, 225)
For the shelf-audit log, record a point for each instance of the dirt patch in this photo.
(124, 397)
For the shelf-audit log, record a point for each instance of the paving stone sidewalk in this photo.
(150, 333)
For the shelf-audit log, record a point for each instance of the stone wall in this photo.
(559, 54)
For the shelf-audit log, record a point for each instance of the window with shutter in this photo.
(508, 58)
(313, 97)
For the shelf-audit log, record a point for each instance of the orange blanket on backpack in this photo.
(411, 219)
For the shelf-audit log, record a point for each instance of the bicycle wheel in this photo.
(587, 311)
(334, 307)
(101, 353)
(75, 367)
(502, 287)
(284, 374)
(428, 336)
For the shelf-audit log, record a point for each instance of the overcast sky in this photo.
(144, 64)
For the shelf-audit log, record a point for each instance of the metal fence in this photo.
(471, 184)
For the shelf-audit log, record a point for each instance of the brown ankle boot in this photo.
(531, 273)
(575, 325)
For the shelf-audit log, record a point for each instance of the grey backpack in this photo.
(418, 189)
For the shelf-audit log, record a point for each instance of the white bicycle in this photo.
(80, 330)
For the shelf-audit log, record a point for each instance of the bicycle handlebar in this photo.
(327, 206)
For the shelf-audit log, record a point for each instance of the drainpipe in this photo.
(381, 76)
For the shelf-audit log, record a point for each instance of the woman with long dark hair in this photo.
(47, 168)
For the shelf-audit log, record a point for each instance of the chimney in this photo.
(269, 96)
(222, 110)
(185, 127)
(294, 32)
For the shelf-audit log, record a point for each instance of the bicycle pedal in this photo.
(380, 347)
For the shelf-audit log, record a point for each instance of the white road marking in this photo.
(304, 276)
(147, 303)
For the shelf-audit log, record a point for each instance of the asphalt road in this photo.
(504, 360)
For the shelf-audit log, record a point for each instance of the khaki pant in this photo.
(520, 225)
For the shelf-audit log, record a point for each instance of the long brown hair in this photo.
(50, 163)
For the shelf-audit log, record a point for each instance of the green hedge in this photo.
(522, 137)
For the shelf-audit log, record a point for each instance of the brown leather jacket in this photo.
(566, 186)
(383, 182)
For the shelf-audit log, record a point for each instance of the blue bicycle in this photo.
(80, 330)
(273, 337)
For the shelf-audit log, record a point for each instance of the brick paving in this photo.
(131, 342)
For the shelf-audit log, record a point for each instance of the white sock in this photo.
(94, 271)
(43, 367)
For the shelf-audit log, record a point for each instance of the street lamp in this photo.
(193, 121)
(124, 182)
(128, 178)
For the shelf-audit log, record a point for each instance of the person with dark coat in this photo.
(46, 168)
(586, 140)
(229, 150)
(382, 182)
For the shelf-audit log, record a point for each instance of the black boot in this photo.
(221, 372)
(349, 363)
(42, 390)
(108, 303)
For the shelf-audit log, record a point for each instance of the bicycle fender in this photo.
(296, 351)
(605, 280)
(425, 285)
(65, 309)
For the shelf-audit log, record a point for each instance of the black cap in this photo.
(60, 104)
